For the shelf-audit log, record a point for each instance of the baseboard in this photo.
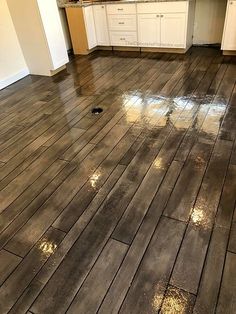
(141, 49)
(229, 52)
(53, 72)
(166, 50)
(13, 78)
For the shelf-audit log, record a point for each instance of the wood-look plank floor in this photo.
(128, 211)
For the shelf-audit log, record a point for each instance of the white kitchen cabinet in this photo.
(149, 30)
(100, 20)
(149, 25)
(229, 35)
(173, 30)
(170, 25)
(90, 27)
(162, 30)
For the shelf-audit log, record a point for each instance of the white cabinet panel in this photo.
(122, 22)
(173, 30)
(123, 38)
(123, 8)
(229, 37)
(90, 27)
(100, 20)
(51, 25)
(149, 30)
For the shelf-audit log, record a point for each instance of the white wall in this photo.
(209, 21)
(40, 34)
(25, 13)
(12, 62)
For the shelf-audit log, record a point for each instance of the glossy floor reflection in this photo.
(127, 211)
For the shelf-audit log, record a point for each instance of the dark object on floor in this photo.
(97, 110)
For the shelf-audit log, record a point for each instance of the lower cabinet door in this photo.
(100, 19)
(173, 30)
(149, 30)
(123, 38)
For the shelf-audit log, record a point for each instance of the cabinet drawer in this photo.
(122, 22)
(121, 8)
(123, 38)
(163, 7)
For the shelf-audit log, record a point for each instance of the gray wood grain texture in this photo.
(148, 287)
(227, 297)
(119, 174)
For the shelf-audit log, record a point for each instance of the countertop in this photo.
(66, 4)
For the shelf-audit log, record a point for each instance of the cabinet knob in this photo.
(158, 15)
(162, 15)
(102, 6)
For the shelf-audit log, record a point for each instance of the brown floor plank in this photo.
(108, 216)
(132, 218)
(177, 301)
(211, 278)
(29, 150)
(148, 286)
(186, 189)
(55, 204)
(37, 284)
(228, 198)
(117, 174)
(16, 166)
(99, 279)
(76, 207)
(188, 267)
(232, 239)
(138, 247)
(227, 297)
(9, 193)
(33, 190)
(37, 135)
(14, 218)
(26, 270)
(8, 263)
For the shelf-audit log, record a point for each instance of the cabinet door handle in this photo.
(121, 23)
(120, 9)
(162, 15)
(122, 38)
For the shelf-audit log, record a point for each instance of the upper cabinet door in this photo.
(90, 27)
(173, 30)
(149, 30)
(229, 37)
(100, 19)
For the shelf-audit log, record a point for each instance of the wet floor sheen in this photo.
(127, 209)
